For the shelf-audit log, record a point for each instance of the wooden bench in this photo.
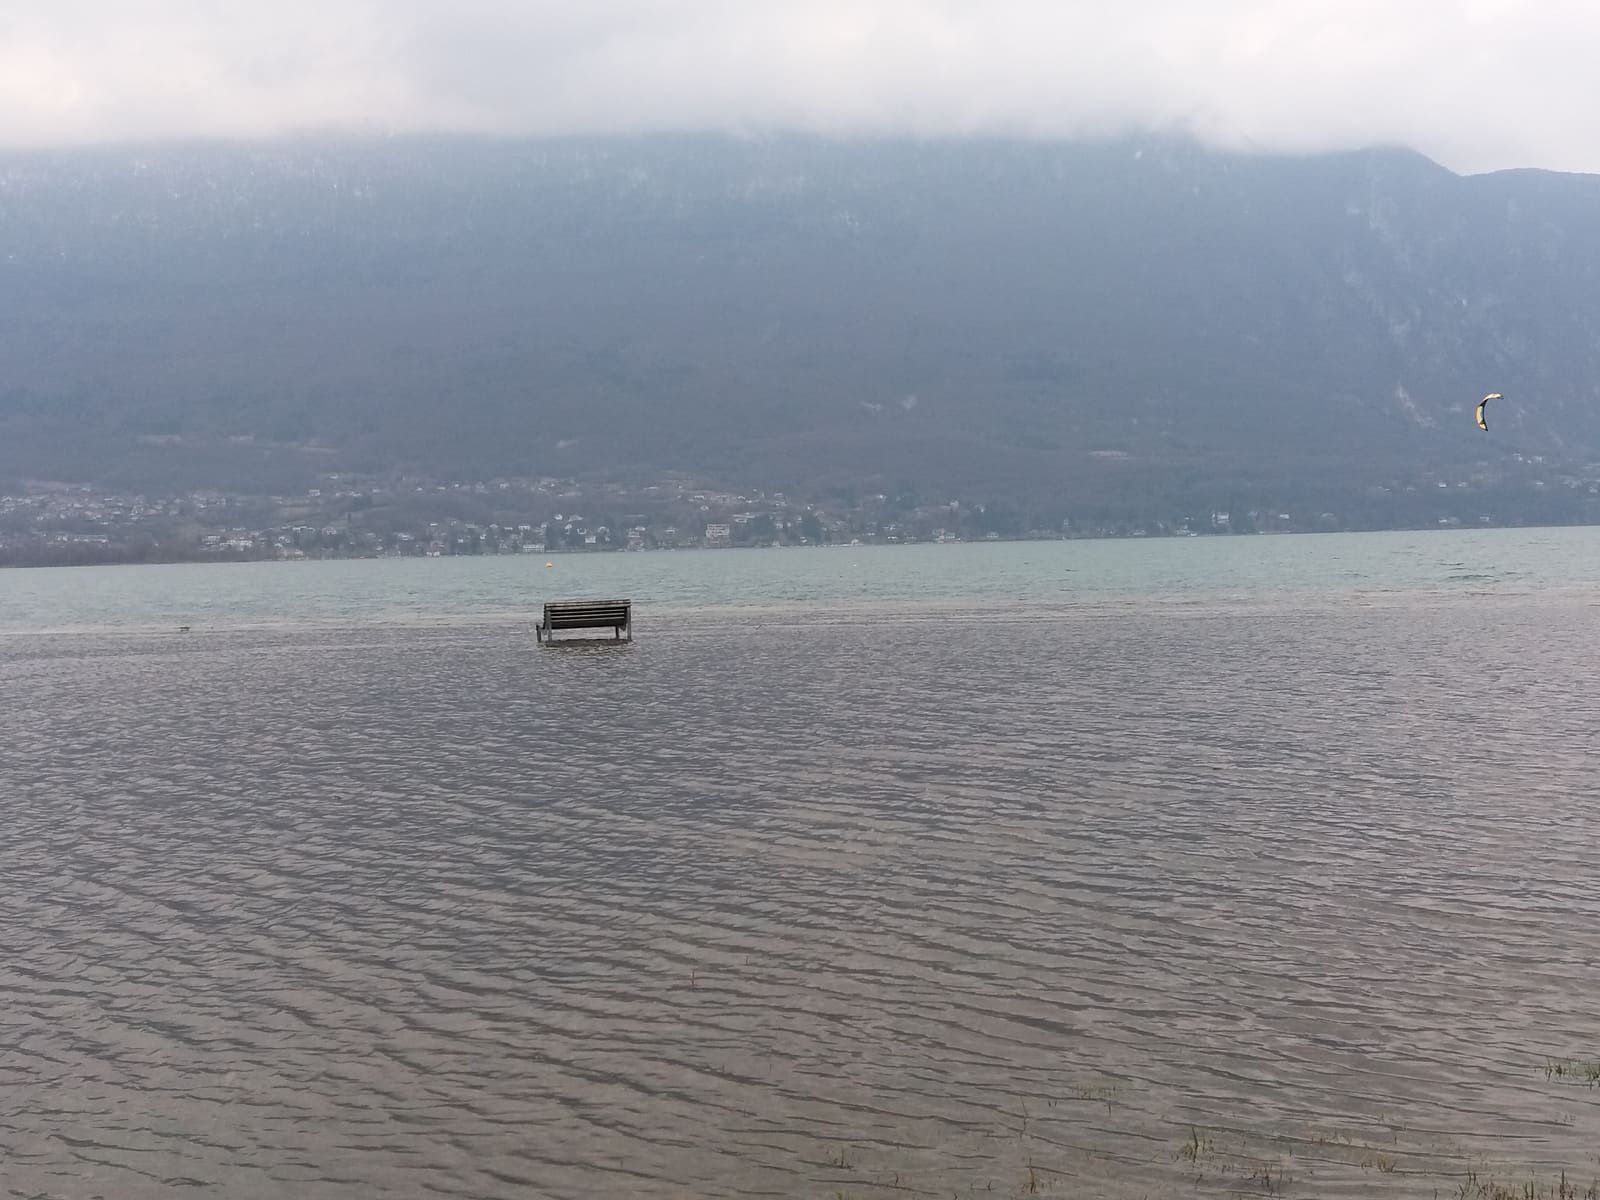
(615, 615)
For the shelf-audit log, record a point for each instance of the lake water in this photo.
(1214, 866)
(1054, 575)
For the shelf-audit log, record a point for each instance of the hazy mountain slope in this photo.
(977, 316)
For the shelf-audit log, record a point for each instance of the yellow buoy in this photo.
(549, 564)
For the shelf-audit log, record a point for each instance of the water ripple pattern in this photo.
(1151, 901)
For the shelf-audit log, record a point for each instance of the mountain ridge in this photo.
(992, 317)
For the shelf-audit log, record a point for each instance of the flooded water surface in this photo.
(1293, 897)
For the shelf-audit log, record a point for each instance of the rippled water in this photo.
(1147, 900)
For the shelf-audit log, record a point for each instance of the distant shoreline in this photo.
(156, 557)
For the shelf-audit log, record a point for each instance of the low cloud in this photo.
(1477, 84)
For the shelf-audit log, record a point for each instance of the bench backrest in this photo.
(587, 614)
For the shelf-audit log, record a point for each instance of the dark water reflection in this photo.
(791, 908)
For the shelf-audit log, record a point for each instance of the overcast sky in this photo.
(1476, 84)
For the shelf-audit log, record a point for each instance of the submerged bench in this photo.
(615, 615)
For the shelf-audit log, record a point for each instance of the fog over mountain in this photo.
(1044, 321)
(1474, 84)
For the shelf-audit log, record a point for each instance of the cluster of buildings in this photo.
(349, 517)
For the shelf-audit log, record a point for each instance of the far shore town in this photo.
(351, 517)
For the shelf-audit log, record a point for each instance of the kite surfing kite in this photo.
(1482, 424)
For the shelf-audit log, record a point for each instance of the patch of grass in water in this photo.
(1579, 1070)
(1246, 1165)
(1101, 1091)
(1271, 1180)
(1197, 1146)
(1476, 1187)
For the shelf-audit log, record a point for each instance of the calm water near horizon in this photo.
(1214, 867)
(1052, 574)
